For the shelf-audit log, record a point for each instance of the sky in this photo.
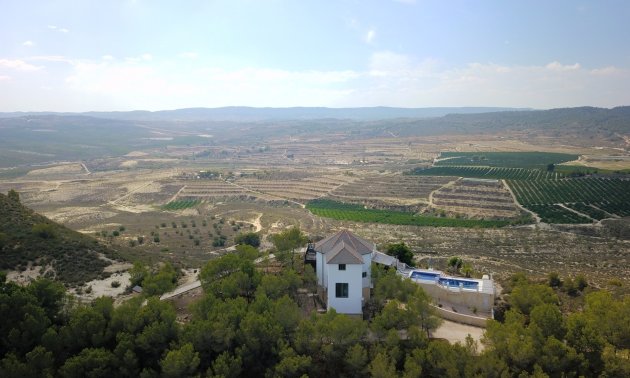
(83, 55)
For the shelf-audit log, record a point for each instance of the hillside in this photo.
(43, 138)
(246, 113)
(585, 123)
(30, 238)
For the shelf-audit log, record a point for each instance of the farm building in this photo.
(342, 264)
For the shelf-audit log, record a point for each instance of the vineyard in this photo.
(357, 213)
(571, 190)
(550, 213)
(597, 198)
(538, 160)
(497, 173)
(589, 210)
(181, 204)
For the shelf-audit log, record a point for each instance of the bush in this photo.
(44, 230)
(156, 239)
(401, 251)
(554, 280)
(249, 238)
(115, 233)
(115, 284)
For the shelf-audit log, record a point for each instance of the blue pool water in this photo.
(450, 281)
(454, 282)
(415, 275)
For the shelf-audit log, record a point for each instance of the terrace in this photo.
(464, 300)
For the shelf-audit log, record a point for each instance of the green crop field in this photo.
(539, 189)
(181, 204)
(556, 214)
(598, 198)
(571, 190)
(536, 160)
(357, 213)
(589, 210)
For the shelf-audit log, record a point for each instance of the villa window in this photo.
(341, 290)
(342, 266)
(364, 274)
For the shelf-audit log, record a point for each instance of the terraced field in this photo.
(389, 188)
(476, 198)
(531, 159)
(498, 173)
(300, 190)
(210, 189)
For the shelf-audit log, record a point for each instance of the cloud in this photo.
(400, 80)
(158, 85)
(58, 29)
(5, 78)
(107, 57)
(28, 43)
(18, 64)
(369, 36)
(557, 66)
(388, 79)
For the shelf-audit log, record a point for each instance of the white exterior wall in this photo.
(319, 268)
(367, 266)
(352, 276)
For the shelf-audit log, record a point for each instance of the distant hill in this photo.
(26, 236)
(583, 122)
(249, 114)
(44, 138)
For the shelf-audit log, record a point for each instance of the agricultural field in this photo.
(550, 213)
(181, 204)
(476, 198)
(353, 212)
(571, 190)
(533, 160)
(496, 173)
(389, 188)
(597, 198)
(209, 189)
(589, 210)
(299, 190)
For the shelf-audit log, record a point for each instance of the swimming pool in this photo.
(443, 280)
(454, 282)
(418, 275)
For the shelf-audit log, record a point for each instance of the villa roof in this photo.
(360, 245)
(343, 253)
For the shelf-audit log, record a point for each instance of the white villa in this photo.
(342, 263)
